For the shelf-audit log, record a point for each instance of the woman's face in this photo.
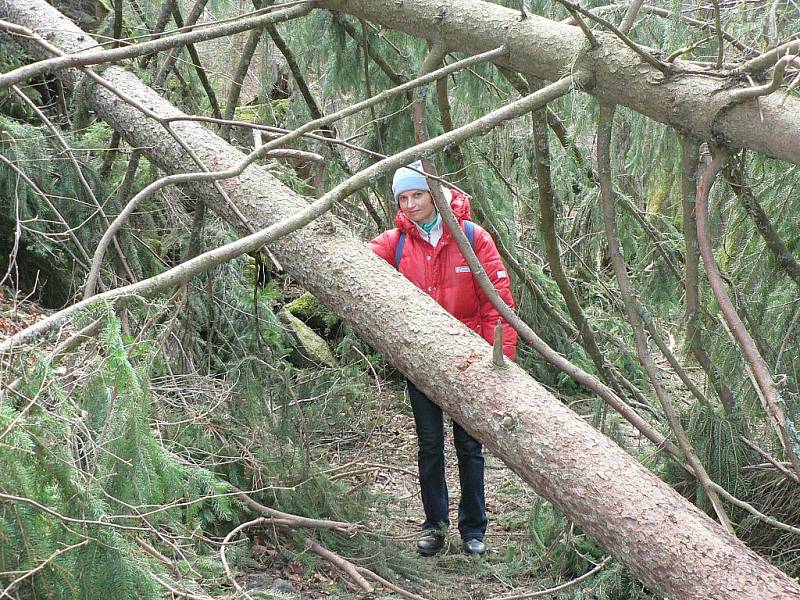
(417, 205)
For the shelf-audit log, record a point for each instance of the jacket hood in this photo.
(459, 202)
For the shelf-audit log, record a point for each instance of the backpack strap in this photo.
(469, 230)
(398, 252)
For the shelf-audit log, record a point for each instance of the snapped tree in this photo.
(671, 545)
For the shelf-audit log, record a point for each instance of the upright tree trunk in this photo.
(672, 546)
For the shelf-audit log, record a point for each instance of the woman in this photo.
(423, 250)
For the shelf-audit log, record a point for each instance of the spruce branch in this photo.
(69, 231)
(6, 592)
(94, 271)
(79, 170)
(71, 520)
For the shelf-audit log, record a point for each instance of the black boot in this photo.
(430, 542)
(474, 547)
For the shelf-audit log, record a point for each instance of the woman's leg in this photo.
(472, 519)
(430, 458)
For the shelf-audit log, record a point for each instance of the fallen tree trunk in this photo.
(698, 104)
(671, 545)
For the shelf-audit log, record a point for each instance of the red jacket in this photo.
(442, 272)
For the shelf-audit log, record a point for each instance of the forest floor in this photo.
(387, 464)
(384, 462)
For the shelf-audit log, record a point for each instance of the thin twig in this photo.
(559, 588)
(721, 40)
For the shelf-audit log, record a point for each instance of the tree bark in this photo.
(672, 546)
(693, 103)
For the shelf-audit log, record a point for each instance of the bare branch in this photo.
(689, 161)
(633, 309)
(342, 563)
(93, 56)
(630, 16)
(646, 56)
(770, 58)
(765, 385)
(762, 90)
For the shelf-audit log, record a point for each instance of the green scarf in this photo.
(428, 227)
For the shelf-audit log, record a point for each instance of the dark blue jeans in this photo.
(430, 458)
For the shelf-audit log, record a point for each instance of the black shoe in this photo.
(474, 547)
(430, 543)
